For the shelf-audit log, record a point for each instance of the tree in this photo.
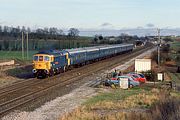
(0, 33)
(177, 59)
(0, 29)
(135, 37)
(168, 39)
(18, 29)
(96, 39)
(46, 30)
(53, 31)
(23, 29)
(165, 48)
(101, 37)
(5, 29)
(60, 32)
(29, 30)
(6, 44)
(73, 32)
(39, 31)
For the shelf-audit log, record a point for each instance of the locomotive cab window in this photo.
(40, 58)
(35, 58)
(46, 58)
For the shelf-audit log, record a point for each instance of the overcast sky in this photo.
(115, 14)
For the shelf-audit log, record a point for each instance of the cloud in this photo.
(106, 24)
(140, 27)
(150, 25)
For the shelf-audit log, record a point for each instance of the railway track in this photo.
(19, 86)
(33, 90)
(13, 86)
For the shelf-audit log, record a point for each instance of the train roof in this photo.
(80, 50)
(95, 48)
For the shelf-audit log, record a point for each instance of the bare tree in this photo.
(23, 29)
(0, 29)
(60, 32)
(5, 29)
(46, 30)
(29, 30)
(73, 32)
(53, 31)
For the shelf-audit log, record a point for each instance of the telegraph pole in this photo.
(22, 45)
(159, 44)
(27, 45)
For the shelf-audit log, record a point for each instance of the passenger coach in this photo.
(50, 62)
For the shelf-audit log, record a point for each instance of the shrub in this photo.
(150, 75)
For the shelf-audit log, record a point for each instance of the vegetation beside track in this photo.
(137, 103)
(20, 72)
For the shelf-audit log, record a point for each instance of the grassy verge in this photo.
(20, 72)
(114, 96)
(136, 103)
(122, 100)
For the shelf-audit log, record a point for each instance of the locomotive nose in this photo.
(41, 65)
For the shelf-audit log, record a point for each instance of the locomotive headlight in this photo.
(34, 71)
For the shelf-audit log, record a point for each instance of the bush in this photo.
(150, 75)
(166, 109)
(165, 48)
(154, 56)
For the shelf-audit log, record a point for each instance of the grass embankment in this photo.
(20, 72)
(24, 67)
(137, 103)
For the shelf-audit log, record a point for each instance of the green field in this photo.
(175, 45)
(7, 55)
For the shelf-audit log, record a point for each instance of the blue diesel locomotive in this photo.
(50, 62)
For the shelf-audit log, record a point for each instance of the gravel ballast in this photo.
(55, 108)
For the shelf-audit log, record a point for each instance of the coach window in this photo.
(46, 58)
(40, 58)
(35, 58)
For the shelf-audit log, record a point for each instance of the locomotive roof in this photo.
(53, 52)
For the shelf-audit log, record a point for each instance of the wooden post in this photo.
(22, 45)
(27, 47)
